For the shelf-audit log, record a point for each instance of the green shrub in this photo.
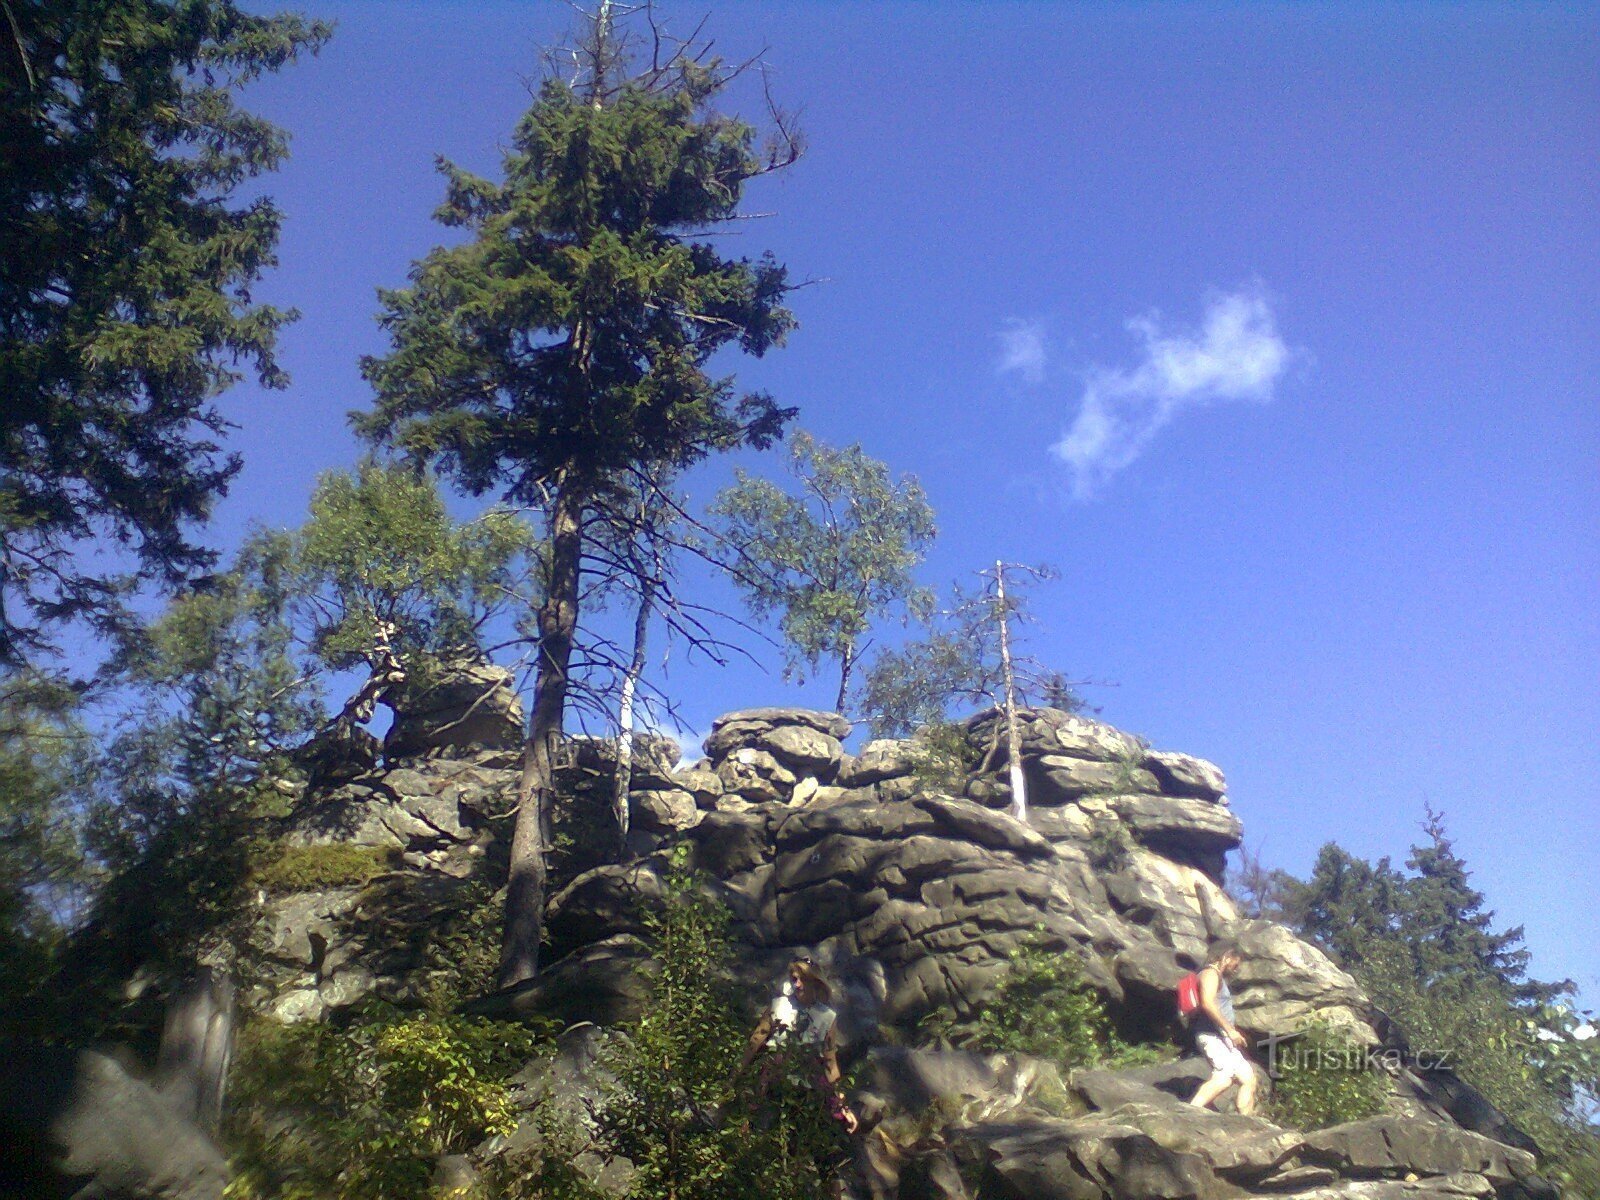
(943, 757)
(460, 948)
(363, 1113)
(1322, 1078)
(312, 868)
(1515, 1061)
(691, 1130)
(548, 1170)
(1042, 1007)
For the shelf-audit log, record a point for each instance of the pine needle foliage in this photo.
(563, 349)
(125, 277)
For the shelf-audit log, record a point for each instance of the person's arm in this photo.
(1210, 981)
(830, 1072)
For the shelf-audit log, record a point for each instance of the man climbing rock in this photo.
(1217, 1036)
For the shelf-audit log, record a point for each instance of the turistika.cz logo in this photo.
(1290, 1051)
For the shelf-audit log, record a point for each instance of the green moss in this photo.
(311, 868)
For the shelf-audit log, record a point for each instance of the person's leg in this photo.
(1211, 1089)
(1247, 1091)
(1216, 1052)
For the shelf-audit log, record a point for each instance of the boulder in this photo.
(704, 784)
(1195, 832)
(1061, 779)
(454, 707)
(958, 1084)
(74, 1123)
(1089, 1158)
(1390, 1145)
(562, 1091)
(1184, 775)
(1285, 983)
(662, 811)
(879, 760)
(755, 775)
(803, 750)
(1051, 731)
(832, 724)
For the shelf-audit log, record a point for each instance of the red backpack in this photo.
(1188, 996)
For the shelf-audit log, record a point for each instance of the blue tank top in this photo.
(1224, 1005)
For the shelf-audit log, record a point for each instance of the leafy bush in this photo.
(943, 757)
(311, 868)
(1321, 1078)
(363, 1113)
(1044, 1008)
(690, 1129)
(1538, 1069)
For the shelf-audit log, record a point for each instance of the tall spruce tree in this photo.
(1349, 906)
(565, 344)
(1424, 947)
(125, 278)
(1450, 930)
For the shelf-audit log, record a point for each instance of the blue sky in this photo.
(1272, 326)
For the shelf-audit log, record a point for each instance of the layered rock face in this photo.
(916, 891)
(901, 869)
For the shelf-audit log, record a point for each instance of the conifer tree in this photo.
(125, 278)
(566, 343)
(1451, 932)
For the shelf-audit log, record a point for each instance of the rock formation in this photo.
(901, 870)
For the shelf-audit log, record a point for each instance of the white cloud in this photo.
(1022, 350)
(1236, 354)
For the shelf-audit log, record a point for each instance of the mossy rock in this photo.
(315, 868)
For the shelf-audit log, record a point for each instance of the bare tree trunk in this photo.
(846, 661)
(197, 1047)
(630, 684)
(558, 622)
(1019, 788)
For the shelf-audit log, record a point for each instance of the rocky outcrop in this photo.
(901, 869)
(455, 705)
(918, 899)
(1123, 1134)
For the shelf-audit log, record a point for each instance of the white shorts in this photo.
(1225, 1058)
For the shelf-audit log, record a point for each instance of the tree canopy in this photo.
(125, 277)
(831, 558)
(1424, 946)
(957, 659)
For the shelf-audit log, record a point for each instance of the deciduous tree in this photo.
(832, 558)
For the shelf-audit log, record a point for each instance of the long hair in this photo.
(1221, 951)
(816, 983)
